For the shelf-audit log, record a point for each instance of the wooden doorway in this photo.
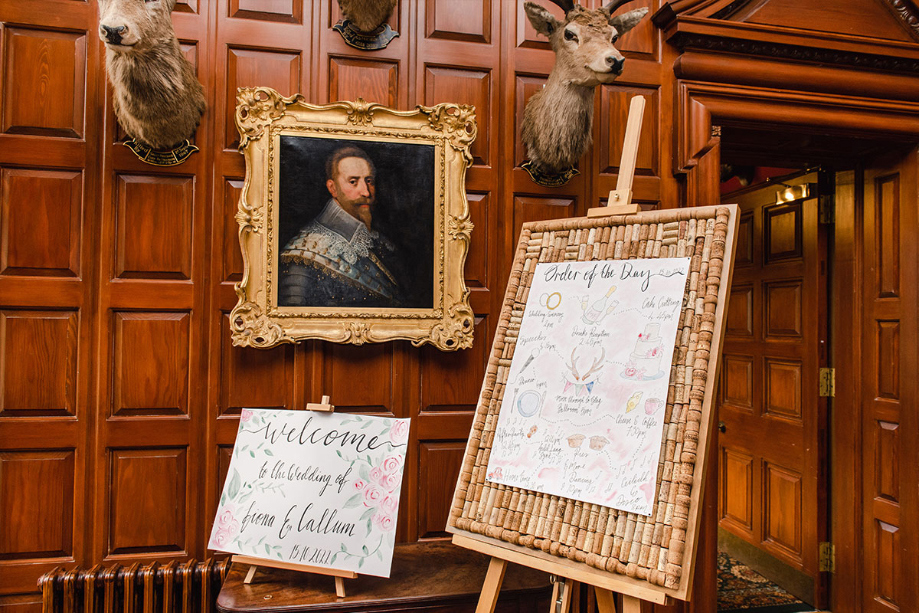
(871, 341)
(772, 476)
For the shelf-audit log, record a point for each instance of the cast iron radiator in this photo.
(186, 587)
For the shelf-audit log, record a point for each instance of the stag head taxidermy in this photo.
(558, 120)
(157, 98)
(364, 25)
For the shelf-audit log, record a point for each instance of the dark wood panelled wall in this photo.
(120, 390)
(119, 387)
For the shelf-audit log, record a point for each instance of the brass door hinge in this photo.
(827, 557)
(827, 382)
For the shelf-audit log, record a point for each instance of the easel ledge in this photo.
(340, 575)
(502, 553)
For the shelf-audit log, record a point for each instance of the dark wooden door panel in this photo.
(771, 453)
(888, 422)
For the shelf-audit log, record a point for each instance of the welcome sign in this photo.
(588, 382)
(319, 489)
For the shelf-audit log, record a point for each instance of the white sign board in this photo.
(320, 489)
(583, 409)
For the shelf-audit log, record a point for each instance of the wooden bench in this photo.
(431, 576)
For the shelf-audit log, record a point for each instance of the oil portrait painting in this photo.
(353, 222)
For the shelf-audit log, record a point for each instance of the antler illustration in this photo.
(597, 365)
(571, 366)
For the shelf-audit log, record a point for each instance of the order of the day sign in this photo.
(319, 489)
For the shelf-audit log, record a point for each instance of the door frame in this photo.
(700, 108)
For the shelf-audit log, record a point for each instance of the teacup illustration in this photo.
(653, 405)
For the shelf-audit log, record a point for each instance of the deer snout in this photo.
(615, 64)
(113, 35)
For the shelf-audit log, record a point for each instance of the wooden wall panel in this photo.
(36, 502)
(348, 364)
(465, 87)
(441, 387)
(40, 222)
(50, 96)
(477, 260)
(280, 70)
(146, 513)
(44, 82)
(438, 467)
(471, 24)
(288, 11)
(232, 255)
(38, 356)
(154, 222)
(372, 80)
(613, 116)
(158, 384)
(254, 378)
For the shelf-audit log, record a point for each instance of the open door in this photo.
(772, 417)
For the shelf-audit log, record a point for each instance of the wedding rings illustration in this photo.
(550, 301)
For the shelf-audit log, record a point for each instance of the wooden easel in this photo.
(564, 590)
(340, 575)
(620, 199)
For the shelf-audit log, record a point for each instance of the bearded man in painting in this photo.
(338, 259)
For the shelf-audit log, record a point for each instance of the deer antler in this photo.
(597, 365)
(566, 5)
(614, 4)
(571, 366)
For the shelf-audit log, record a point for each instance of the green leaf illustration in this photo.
(269, 452)
(368, 514)
(233, 488)
(364, 472)
(354, 501)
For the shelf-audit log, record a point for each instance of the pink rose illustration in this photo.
(359, 485)
(391, 482)
(372, 496)
(391, 464)
(384, 521)
(221, 538)
(376, 475)
(245, 415)
(390, 505)
(399, 432)
(225, 518)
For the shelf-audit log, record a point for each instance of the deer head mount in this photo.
(157, 97)
(366, 15)
(558, 120)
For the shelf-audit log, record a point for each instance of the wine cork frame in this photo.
(647, 557)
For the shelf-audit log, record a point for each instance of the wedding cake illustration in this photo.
(645, 360)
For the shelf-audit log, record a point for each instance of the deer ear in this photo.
(625, 22)
(544, 22)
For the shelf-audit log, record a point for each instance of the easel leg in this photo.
(250, 575)
(630, 604)
(340, 587)
(562, 591)
(605, 601)
(492, 586)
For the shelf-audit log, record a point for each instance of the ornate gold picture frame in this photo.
(353, 222)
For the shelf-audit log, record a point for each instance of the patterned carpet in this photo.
(743, 590)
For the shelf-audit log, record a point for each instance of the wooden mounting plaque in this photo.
(650, 558)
